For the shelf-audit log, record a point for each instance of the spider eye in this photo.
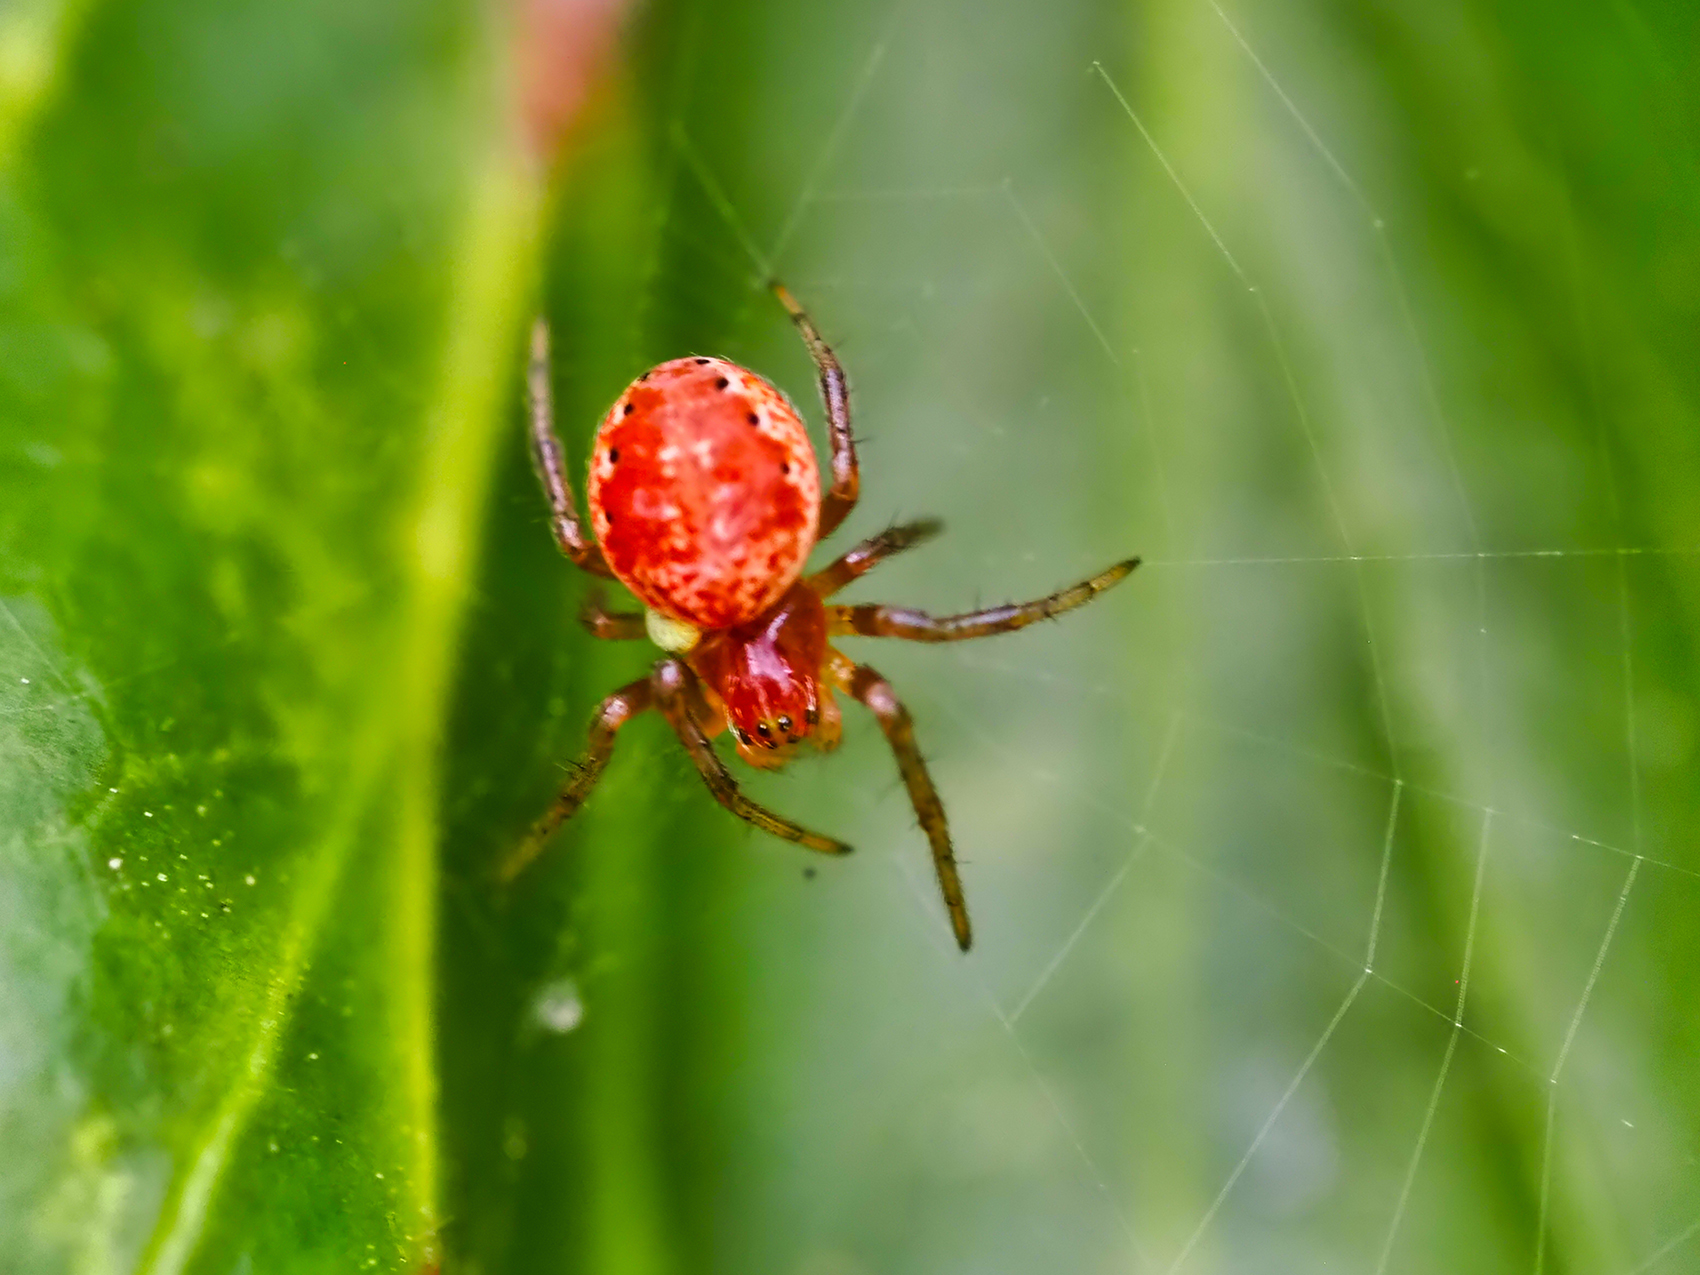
(785, 725)
(762, 730)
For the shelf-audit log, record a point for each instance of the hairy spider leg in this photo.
(840, 498)
(610, 626)
(615, 711)
(673, 684)
(870, 553)
(546, 453)
(873, 691)
(875, 620)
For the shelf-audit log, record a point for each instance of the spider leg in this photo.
(610, 626)
(871, 552)
(618, 709)
(874, 620)
(575, 541)
(875, 692)
(840, 498)
(671, 681)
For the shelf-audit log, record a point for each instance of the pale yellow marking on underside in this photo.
(673, 636)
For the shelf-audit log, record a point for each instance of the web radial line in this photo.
(1300, 411)
(1302, 414)
(1564, 1054)
(1381, 880)
(835, 138)
(1425, 372)
(1056, 266)
(1139, 846)
(1475, 913)
(1446, 1059)
(1293, 110)
(1417, 1154)
(1086, 920)
(1667, 1248)
(1268, 1124)
(1395, 276)
(1629, 704)
(1142, 399)
(1068, 1128)
(717, 197)
(1173, 175)
(1594, 974)
(681, 87)
(1091, 914)
(919, 894)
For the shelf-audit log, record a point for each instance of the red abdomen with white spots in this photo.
(703, 491)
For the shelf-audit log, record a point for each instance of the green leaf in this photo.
(251, 396)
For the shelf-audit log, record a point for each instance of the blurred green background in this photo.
(1336, 901)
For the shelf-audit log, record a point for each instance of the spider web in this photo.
(1300, 946)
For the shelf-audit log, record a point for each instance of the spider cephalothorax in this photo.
(706, 503)
(764, 677)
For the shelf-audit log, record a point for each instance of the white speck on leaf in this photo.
(558, 1007)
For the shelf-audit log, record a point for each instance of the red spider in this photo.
(706, 504)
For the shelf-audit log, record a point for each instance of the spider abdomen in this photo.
(703, 491)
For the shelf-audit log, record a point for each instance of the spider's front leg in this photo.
(570, 533)
(672, 684)
(863, 558)
(864, 684)
(840, 499)
(618, 709)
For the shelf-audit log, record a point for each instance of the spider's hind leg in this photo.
(618, 709)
